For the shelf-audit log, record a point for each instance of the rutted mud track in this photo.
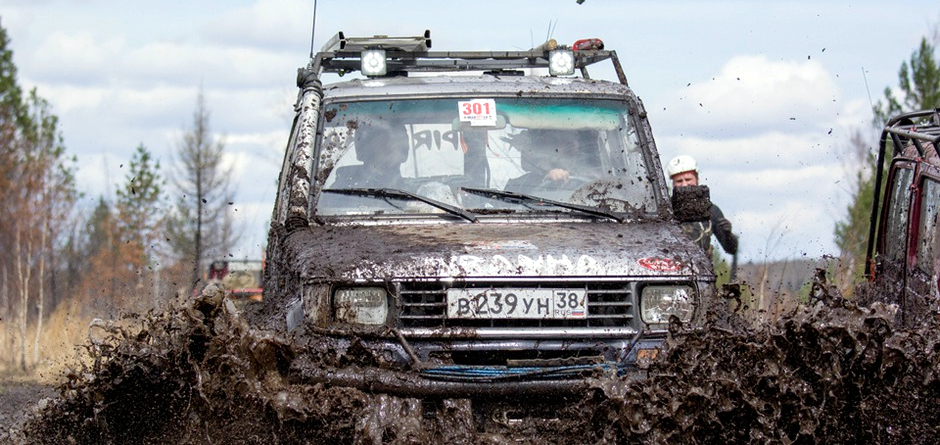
(197, 374)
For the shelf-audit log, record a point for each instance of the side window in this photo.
(927, 236)
(896, 218)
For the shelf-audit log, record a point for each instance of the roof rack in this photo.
(913, 128)
(343, 55)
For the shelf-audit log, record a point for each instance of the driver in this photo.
(547, 157)
(381, 148)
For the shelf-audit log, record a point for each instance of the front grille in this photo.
(424, 305)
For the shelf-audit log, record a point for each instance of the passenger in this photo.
(382, 149)
(547, 156)
(684, 172)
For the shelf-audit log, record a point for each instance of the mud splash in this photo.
(830, 372)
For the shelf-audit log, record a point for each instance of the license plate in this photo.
(517, 303)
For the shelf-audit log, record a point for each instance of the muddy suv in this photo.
(476, 224)
(904, 241)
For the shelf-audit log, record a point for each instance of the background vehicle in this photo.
(241, 278)
(904, 239)
(423, 232)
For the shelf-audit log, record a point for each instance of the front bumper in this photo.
(411, 384)
(475, 369)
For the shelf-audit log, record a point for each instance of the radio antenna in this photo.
(868, 90)
(313, 27)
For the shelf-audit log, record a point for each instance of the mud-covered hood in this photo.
(368, 252)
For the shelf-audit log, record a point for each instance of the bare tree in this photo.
(40, 201)
(13, 114)
(199, 228)
(55, 183)
(36, 196)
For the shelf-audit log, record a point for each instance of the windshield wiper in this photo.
(522, 198)
(401, 194)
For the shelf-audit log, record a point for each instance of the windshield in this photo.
(576, 151)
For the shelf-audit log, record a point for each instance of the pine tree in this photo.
(140, 218)
(919, 82)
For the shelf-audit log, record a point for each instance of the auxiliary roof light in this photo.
(373, 62)
(561, 62)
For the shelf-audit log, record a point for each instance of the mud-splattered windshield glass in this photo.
(577, 151)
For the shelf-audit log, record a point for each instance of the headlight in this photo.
(373, 62)
(658, 303)
(561, 62)
(361, 305)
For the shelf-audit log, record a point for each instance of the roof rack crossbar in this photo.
(344, 61)
(916, 128)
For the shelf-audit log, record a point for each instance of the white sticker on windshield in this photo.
(479, 112)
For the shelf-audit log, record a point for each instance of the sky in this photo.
(765, 95)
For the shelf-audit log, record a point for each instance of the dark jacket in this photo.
(701, 232)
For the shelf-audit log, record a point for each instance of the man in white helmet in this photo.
(684, 172)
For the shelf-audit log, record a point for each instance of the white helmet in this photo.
(681, 164)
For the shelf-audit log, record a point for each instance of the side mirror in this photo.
(691, 203)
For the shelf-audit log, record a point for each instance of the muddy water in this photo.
(830, 372)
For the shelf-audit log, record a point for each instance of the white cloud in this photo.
(748, 151)
(73, 99)
(271, 25)
(121, 104)
(190, 63)
(77, 58)
(105, 57)
(753, 94)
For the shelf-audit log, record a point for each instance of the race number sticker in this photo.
(479, 112)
